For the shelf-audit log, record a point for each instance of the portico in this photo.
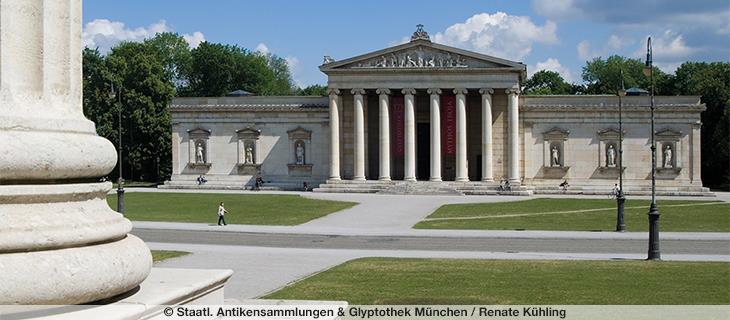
(423, 111)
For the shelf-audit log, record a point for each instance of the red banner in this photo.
(398, 125)
(448, 125)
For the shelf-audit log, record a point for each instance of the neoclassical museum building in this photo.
(422, 117)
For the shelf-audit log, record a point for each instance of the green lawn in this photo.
(160, 255)
(447, 281)
(588, 215)
(258, 209)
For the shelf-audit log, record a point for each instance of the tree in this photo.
(712, 82)
(217, 69)
(604, 76)
(313, 90)
(547, 82)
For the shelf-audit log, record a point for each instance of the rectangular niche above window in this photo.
(555, 153)
(198, 159)
(300, 142)
(249, 162)
(668, 153)
(610, 153)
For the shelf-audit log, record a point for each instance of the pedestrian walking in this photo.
(222, 215)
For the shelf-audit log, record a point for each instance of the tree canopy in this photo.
(547, 82)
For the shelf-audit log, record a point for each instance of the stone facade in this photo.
(422, 111)
(250, 136)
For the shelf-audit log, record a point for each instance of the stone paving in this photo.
(259, 270)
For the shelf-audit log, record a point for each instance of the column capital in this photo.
(486, 91)
(358, 91)
(408, 91)
(383, 91)
(512, 91)
(460, 91)
(434, 91)
(333, 91)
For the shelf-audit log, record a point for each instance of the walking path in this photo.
(260, 270)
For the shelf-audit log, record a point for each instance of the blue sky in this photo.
(558, 35)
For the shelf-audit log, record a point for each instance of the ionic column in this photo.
(487, 174)
(461, 171)
(60, 243)
(513, 135)
(410, 122)
(334, 134)
(435, 133)
(359, 172)
(384, 133)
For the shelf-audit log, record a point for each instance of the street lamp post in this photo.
(620, 198)
(654, 253)
(120, 180)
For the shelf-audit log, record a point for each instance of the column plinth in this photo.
(60, 243)
(410, 123)
(384, 99)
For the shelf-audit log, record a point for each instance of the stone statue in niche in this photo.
(668, 156)
(199, 152)
(610, 156)
(248, 159)
(299, 153)
(555, 157)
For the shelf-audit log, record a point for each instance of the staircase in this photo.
(418, 187)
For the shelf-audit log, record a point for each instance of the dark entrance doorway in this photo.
(423, 151)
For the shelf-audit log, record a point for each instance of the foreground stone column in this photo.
(359, 125)
(435, 133)
(410, 121)
(334, 134)
(462, 173)
(487, 174)
(513, 135)
(60, 243)
(384, 133)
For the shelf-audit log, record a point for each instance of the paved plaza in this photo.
(266, 258)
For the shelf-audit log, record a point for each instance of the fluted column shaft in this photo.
(410, 122)
(384, 100)
(359, 125)
(461, 169)
(487, 174)
(334, 135)
(435, 133)
(513, 135)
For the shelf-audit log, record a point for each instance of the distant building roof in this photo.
(636, 92)
(239, 93)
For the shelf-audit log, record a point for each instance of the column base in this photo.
(461, 179)
(488, 180)
(384, 178)
(336, 178)
(358, 178)
(435, 179)
(410, 179)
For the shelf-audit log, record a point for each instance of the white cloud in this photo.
(501, 35)
(552, 64)
(194, 39)
(295, 68)
(669, 51)
(262, 48)
(584, 51)
(612, 46)
(105, 34)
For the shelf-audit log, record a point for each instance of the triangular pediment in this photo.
(421, 54)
